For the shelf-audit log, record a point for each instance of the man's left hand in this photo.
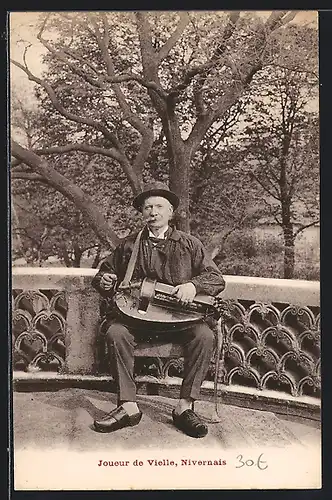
(185, 293)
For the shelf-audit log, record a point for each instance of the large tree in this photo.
(144, 75)
(282, 152)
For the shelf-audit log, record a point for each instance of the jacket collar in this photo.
(162, 235)
(174, 235)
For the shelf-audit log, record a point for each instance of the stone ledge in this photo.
(280, 403)
(305, 293)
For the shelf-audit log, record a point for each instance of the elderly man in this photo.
(173, 257)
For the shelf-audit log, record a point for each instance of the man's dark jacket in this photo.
(183, 259)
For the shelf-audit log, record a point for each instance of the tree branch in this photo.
(201, 126)
(133, 179)
(28, 176)
(99, 80)
(144, 33)
(149, 62)
(62, 56)
(70, 116)
(275, 20)
(86, 148)
(82, 201)
(278, 221)
(296, 69)
(15, 163)
(205, 68)
(229, 119)
(288, 18)
(121, 156)
(132, 118)
(198, 98)
(275, 196)
(126, 77)
(82, 60)
(175, 36)
(242, 78)
(305, 226)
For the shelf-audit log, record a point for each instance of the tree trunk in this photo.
(286, 218)
(16, 224)
(64, 254)
(288, 230)
(97, 258)
(179, 158)
(59, 182)
(77, 255)
(289, 252)
(179, 184)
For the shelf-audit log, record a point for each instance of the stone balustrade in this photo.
(271, 342)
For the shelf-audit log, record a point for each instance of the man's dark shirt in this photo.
(180, 258)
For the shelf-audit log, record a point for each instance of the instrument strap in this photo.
(132, 261)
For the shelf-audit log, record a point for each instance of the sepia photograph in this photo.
(165, 250)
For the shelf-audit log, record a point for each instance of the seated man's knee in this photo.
(204, 334)
(117, 332)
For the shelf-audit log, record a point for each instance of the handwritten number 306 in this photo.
(249, 463)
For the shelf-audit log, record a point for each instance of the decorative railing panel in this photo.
(266, 346)
(39, 329)
(270, 344)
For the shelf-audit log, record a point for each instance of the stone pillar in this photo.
(82, 328)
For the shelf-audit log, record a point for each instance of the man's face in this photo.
(157, 211)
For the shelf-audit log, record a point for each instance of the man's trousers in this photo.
(197, 342)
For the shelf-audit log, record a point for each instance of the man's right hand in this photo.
(107, 281)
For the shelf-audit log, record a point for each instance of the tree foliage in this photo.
(282, 147)
(126, 97)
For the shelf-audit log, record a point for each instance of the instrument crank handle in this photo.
(129, 286)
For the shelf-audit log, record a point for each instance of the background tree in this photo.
(194, 68)
(283, 151)
(126, 98)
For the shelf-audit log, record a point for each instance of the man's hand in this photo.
(107, 281)
(185, 293)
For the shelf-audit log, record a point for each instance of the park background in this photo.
(223, 106)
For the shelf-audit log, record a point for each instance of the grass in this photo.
(251, 254)
(258, 253)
